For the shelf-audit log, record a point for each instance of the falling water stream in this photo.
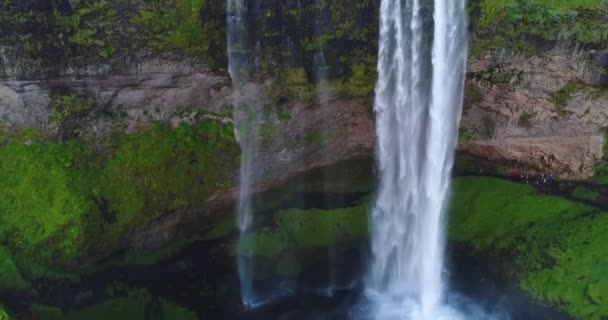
(246, 120)
(418, 104)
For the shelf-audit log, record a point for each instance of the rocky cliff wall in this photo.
(533, 104)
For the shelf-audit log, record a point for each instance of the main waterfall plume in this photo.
(418, 105)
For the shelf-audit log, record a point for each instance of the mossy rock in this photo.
(11, 278)
(43, 312)
(81, 197)
(558, 245)
(302, 230)
(584, 193)
(4, 315)
(136, 305)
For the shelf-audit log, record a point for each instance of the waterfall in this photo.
(246, 126)
(418, 105)
(323, 93)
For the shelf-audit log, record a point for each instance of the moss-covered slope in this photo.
(558, 245)
(61, 202)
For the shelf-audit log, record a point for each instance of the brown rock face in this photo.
(536, 111)
(160, 92)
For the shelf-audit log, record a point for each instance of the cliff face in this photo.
(535, 96)
(545, 112)
(89, 71)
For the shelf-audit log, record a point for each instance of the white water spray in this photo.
(417, 126)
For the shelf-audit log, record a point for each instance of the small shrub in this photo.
(465, 136)
(475, 93)
(525, 120)
(488, 127)
(315, 137)
(68, 105)
(562, 96)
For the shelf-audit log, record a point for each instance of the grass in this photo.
(558, 245)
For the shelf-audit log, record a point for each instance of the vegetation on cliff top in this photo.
(522, 24)
(558, 245)
(53, 36)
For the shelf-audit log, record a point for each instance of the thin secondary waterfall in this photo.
(323, 93)
(245, 127)
(418, 105)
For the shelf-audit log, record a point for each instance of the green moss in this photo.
(474, 92)
(53, 36)
(488, 126)
(42, 312)
(65, 106)
(91, 27)
(465, 136)
(37, 186)
(297, 229)
(322, 228)
(601, 169)
(319, 42)
(162, 169)
(10, 276)
(519, 24)
(361, 83)
(576, 280)
(136, 305)
(79, 200)
(316, 137)
(264, 243)
(525, 120)
(557, 244)
(4, 314)
(504, 78)
(34, 269)
(178, 26)
(562, 96)
(154, 257)
(583, 193)
(220, 230)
